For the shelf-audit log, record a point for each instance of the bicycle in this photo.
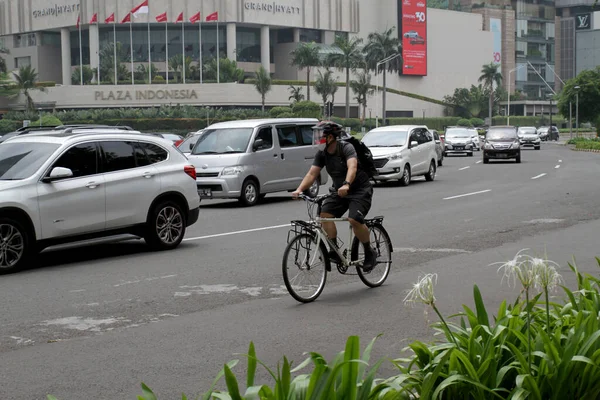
(307, 234)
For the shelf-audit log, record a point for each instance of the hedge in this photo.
(7, 125)
(588, 144)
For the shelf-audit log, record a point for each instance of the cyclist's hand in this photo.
(343, 191)
(296, 193)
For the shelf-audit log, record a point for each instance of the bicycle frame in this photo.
(322, 236)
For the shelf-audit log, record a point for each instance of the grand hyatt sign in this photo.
(56, 10)
(273, 7)
(125, 95)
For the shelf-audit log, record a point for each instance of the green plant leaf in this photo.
(147, 393)
(350, 369)
(221, 373)
(456, 379)
(482, 316)
(50, 397)
(232, 385)
(251, 365)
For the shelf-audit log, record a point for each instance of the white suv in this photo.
(63, 187)
(401, 152)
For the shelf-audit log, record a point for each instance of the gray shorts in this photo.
(357, 205)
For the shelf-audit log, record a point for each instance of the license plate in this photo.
(205, 192)
(459, 147)
(502, 155)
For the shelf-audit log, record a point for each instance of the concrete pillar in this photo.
(65, 51)
(296, 35)
(265, 49)
(328, 37)
(94, 46)
(231, 41)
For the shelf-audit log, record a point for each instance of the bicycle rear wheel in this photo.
(383, 249)
(303, 280)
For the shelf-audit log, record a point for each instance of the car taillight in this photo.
(190, 170)
(178, 142)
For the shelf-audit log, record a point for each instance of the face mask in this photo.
(322, 144)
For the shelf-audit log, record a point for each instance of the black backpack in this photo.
(365, 157)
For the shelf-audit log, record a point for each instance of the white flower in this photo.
(546, 275)
(517, 269)
(422, 291)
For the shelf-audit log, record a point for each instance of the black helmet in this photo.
(329, 128)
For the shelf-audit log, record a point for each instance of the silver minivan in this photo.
(247, 159)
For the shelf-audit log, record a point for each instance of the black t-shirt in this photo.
(337, 167)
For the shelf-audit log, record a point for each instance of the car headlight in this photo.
(395, 156)
(232, 171)
(537, 140)
(488, 146)
(515, 145)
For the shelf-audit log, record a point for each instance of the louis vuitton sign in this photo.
(583, 21)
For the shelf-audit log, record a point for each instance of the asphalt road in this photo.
(94, 323)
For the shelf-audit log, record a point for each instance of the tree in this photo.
(3, 68)
(7, 86)
(88, 74)
(107, 64)
(490, 75)
(296, 93)
(468, 103)
(589, 95)
(362, 89)
(325, 85)
(381, 45)
(142, 72)
(176, 63)
(25, 83)
(349, 57)
(263, 84)
(305, 56)
(228, 71)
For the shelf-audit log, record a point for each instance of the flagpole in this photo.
(115, 47)
(149, 57)
(200, 45)
(131, 46)
(98, 27)
(167, 50)
(183, 48)
(218, 53)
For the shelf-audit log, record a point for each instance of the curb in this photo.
(587, 150)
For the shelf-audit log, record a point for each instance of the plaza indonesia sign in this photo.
(272, 8)
(56, 10)
(130, 95)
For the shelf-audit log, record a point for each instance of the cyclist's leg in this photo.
(333, 208)
(358, 209)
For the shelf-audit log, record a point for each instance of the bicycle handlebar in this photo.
(317, 199)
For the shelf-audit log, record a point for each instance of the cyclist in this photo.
(354, 189)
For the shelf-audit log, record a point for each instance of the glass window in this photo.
(25, 40)
(501, 134)
(285, 36)
(248, 44)
(287, 136)
(155, 153)
(266, 135)
(187, 145)
(223, 141)
(306, 132)
(21, 160)
(385, 138)
(81, 159)
(50, 39)
(22, 62)
(85, 47)
(118, 156)
(141, 159)
(310, 35)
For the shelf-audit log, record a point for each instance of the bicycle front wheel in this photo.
(383, 250)
(305, 268)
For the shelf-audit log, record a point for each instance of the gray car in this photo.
(439, 146)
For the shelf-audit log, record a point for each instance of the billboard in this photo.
(496, 29)
(413, 31)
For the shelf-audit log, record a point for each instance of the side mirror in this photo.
(58, 173)
(192, 145)
(414, 143)
(438, 141)
(258, 143)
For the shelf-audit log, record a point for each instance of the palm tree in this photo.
(348, 57)
(305, 56)
(295, 93)
(3, 50)
(381, 45)
(176, 64)
(489, 76)
(7, 86)
(25, 82)
(325, 85)
(263, 84)
(362, 89)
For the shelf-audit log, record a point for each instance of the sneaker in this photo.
(370, 261)
(333, 256)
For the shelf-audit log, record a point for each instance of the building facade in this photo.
(46, 35)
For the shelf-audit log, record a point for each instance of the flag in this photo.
(141, 9)
(127, 18)
(110, 19)
(94, 19)
(195, 18)
(179, 18)
(161, 17)
(213, 17)
(78, 18)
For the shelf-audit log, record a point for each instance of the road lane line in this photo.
(236, 232)
(429, 250)
(463, 168)
(559, 160)
(478, 162)
(467, 194)
(539, 176)
(558, 166)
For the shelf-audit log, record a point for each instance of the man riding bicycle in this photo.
(354, 189)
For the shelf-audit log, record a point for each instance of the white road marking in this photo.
(77, 291)
(21, 340)
(558, 166)
(84, 324)
(152, 278)
(544, 221)
(559, 160)
(429, 250)
(478, 162)
(539, 176)
(467, 194)
(237, 232)
(463, 168)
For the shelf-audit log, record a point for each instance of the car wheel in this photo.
(250, 193)
(518, 159)
(440, 162)
(313, 190)
(15, 246)
(405, 180)
(470, 154)
(166, 226)
(430, 175)
(486, 160)
(537, 148)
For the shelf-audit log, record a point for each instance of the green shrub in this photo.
(276, 111)
(286, 115)
(588, 144)
(306, 109)
(47, 120)
(477, 122)
(464, 122)
(7, 126)
(45, 84)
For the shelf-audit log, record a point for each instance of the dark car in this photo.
(501, 142)
(417, 40)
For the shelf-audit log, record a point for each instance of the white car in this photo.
(401, 152)
(458, 140)
(475, 139)
(75, 185)
(528, 136)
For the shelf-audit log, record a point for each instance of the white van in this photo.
(247, 159)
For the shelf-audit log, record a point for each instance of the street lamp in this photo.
(509, 81)
(385, 60)
(577, 109)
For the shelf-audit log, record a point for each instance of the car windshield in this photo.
(458, 134)
(501, 134)
(385, 139)
(223, 141)
(187, 145)
(527, 131)
(21, 160)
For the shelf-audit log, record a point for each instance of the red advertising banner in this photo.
(414, 37)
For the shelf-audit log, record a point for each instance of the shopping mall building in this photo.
(442, 49)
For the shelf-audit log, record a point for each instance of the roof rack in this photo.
(35, 128)
(71, 128)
